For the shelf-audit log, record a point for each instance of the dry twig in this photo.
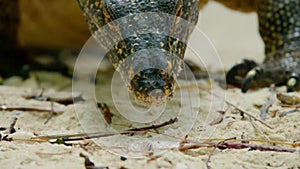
(219, 119)
(241, 110)
(284, 113)
(264, 110)
(154, 127)
(232, 145)
(61, 139)
(33, 108)
(51, 115)
(213, 151)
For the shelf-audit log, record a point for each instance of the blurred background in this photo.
(234, 34)
(60, 24)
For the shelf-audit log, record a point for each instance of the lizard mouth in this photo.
(152, 87)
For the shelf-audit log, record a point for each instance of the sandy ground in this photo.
(234, 36)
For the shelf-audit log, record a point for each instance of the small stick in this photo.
(77, 137)
(31, 108)
(264, 110)
(213, 151)
(171, 121)
(254, 125)
(235, 145)
(241, 110)
(284, 113)
(39, 96)
(219, 119)
(254, 147)
(51, 113)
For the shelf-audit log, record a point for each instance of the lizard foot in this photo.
(284, 71)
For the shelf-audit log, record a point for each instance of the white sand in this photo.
(235, 37)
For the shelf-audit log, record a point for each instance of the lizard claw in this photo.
(283, 71)
(292, 82)
(251, 77)
(235, 75)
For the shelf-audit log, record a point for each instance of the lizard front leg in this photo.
(279, 25)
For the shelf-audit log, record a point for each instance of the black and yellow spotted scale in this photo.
(279, 26)
(149, 51)
(279, 22)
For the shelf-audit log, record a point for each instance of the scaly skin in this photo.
(279, 27)
(131, 51)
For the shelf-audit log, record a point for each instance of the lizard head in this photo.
(145, 41)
